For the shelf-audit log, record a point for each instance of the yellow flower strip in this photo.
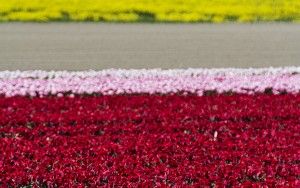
(150, 10)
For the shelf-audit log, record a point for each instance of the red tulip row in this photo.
(150, 140)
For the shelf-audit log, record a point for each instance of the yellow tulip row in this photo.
(150, 10)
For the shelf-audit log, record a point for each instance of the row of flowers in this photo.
(108, 82)
(150, 141)
(215, 11)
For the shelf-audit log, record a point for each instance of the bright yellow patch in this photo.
(150, 10)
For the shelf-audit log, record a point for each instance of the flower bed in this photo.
(111, 82)
(69, 136)
(214, 11)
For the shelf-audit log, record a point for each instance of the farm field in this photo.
(170, 128)
(149, 93)
(143, 140)
(213, 11)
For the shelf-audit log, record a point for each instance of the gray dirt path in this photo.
(82, 46)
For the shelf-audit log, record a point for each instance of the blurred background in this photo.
(100, 34)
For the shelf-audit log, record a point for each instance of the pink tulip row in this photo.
(113, 81)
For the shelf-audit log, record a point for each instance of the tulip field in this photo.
(150, 128)
(212, 11)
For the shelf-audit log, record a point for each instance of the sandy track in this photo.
(71, 46)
